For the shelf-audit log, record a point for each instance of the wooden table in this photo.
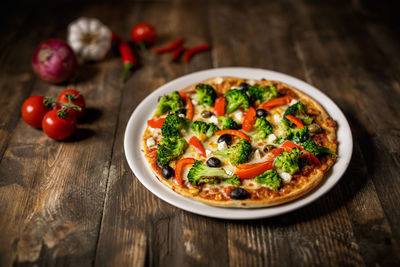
(77, 202)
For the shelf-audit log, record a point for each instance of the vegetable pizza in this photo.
(236, 142)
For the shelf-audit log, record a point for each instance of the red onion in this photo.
(54, 61)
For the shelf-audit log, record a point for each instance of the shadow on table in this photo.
(91, 115)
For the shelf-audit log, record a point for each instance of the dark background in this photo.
(77, 203)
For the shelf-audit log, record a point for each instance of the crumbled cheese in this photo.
(208, 152)
(150, 142)
(238, 116)
(276, 118)
(218, 80)
(257, 154)
(271, 138)
(230, 173)
(222, 146)
(154, 130)
(251, 82)
(181, 115)
(194, 101)
(286, 177)
(214, 120)
(294, 101)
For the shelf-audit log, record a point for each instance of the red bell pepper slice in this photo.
(189, 104)
(258, 169)
(196, 144)
(156, 122)
(276, 102)
(237, 133)
(179, 168)
(295, 120)
(310, 156)
(249, 119)
(289, 145)
(249, 165)
(219, 106)
(271, 155)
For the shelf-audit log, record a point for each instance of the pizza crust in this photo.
(306, 184)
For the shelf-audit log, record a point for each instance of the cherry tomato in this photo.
(143, 32)
(59, 124)
(33, 110)
(77, 99)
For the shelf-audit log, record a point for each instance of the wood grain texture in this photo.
(77, 203)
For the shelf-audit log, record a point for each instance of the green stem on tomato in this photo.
(68, 105)
(48, 101)
(62, 113)
(142, 46)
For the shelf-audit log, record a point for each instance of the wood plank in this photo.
(173, 237)
(52, 193)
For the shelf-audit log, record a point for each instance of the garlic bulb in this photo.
(89, 38)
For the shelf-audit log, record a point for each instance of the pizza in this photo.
(234, 142)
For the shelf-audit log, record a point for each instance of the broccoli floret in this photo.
(169, 103)
(206, 94)
(299, 110)
(173, 124)
(270, 178)
(228, 123)
(234, 180)
(297, 135)
(289, 161)
(169, 149)
(201, 127)
(201, 173)
(237, 154)
(317, 149)
(262, 129)
(263, 93)
(236, 99)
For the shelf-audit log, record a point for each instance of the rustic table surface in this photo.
(77, 202)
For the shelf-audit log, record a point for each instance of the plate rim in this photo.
(137, 161)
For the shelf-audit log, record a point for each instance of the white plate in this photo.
(138, 163)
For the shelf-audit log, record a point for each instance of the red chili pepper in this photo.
(177, 53)
(194, 50)
(179, 168)
(127, 54)
(295, 120)
(169, 47)
(219, 106)
(196, 144)
(156, 122)
(249, 119)
(239, 134)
